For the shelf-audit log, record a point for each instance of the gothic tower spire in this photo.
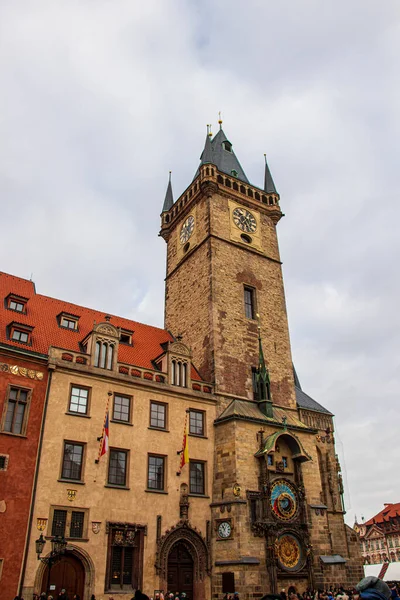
(263, 381)
(169, 198)
(269, 185)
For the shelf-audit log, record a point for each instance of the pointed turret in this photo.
(218, 151)
(169, 198)
(207, 154)
(263, 381)
(224, 157)
(269, 185)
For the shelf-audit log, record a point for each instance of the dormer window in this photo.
(16, 303)
(227, 146)
(126, 337)
(234, 173)
(20, 333)
(179, 361)
(68, 321)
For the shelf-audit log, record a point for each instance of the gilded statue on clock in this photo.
(283, 500)
(244, 220)
(187, 229)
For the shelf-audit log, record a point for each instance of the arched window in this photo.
(104, 354)
(179, 373)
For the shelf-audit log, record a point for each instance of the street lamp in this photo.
(58, 547)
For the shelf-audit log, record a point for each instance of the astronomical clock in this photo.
(280, 511)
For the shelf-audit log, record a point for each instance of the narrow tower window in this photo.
(249, 302)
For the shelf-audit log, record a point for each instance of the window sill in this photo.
(76, 414)
(116, 487)
(19, 435)
(121, 422)
(159, 429)
(197, 435)
(149, 491)
(198, 496)
(71, 481)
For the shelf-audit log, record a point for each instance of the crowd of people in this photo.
(369, 588)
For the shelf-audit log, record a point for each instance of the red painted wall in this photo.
(17, 481)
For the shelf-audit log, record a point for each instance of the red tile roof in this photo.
(42, 312)
(390, 511)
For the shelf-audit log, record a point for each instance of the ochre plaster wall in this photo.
(119, 505)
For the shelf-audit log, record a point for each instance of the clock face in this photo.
(187, 229)
(224, 529)
(289, 552)
(283, 500)
(244, 220)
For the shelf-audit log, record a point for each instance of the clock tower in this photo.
(224, 275)
(276, 503)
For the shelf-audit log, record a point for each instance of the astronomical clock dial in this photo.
(283, 500)
(244, 220)
(288, 551)
(224, 530)
(187, 229)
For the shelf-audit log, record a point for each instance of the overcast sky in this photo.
(101, 98)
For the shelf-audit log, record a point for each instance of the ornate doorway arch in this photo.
(180, 570)
(74, 555)
(187, 541)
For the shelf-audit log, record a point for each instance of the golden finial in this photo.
(170, 175)
(265, 158)
(220, 120)
(209, 132)
(258, 322)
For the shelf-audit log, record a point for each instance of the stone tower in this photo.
(276, 508)
(223, 268)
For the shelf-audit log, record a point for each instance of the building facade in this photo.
(259, 505)
(23, 385)
(380, 536)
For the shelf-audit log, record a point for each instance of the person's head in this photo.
(373, 588)
(49, 597)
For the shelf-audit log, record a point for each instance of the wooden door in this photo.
(67, 574)
(180, 571)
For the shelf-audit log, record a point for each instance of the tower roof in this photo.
(169, 198)
(219, 152)
(269, 185)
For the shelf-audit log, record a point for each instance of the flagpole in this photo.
(100, 439)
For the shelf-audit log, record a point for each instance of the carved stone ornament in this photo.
(179, 348)
(71, 495)
(41, 524)
(194, 543)
(96, 526)
(184, 502)
(107, 329)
